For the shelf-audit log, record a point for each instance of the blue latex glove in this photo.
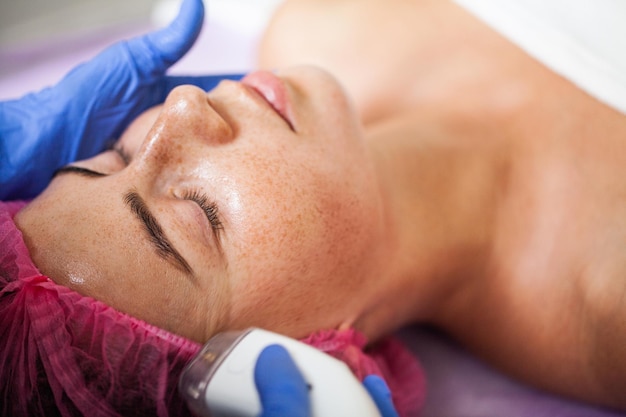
(283, 391)
(379, 391)
(93, 104)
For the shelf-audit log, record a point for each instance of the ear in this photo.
(347, 324)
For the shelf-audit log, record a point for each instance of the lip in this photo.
(273, 90)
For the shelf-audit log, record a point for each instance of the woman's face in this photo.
(252, 205)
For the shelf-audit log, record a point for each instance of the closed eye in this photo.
(85, 172)
(122, 153)
(90, 173)
(209, 208)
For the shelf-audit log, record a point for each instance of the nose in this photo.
(187, 121)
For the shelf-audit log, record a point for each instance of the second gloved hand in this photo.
(93, 104)
(283, 390)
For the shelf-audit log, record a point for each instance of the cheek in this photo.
(351, 231)
(302, 266)
(302, 235)
(276, 265)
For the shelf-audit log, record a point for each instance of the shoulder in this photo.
(581, 43)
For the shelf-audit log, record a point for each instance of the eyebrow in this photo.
(140, 210)
(161, 243)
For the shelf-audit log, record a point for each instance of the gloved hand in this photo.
(91, 106)
(283, 391)
(379, 391)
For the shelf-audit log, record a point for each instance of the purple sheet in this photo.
(459, 385)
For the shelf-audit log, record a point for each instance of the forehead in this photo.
(88, 241)
(308, 225)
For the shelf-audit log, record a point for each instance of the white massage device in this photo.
(219, 381)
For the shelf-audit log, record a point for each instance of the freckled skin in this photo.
(501, 187)
(519, 179)
(294, 242)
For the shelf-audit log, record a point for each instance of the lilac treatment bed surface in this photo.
(459, 385)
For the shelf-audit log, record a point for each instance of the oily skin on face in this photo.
(297, 213)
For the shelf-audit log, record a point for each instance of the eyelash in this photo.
(122, 154)
(119, 150)
(209, 207)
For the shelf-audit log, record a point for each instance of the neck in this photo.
(440, 181)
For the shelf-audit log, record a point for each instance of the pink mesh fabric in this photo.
(389, 359)
(64, 354)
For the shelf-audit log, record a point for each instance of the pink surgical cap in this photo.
(65, 354)
(389, 359)
(70, 355)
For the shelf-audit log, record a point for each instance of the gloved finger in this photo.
(205, 82)
(158, 50)
(281, 387)
(381, 395)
